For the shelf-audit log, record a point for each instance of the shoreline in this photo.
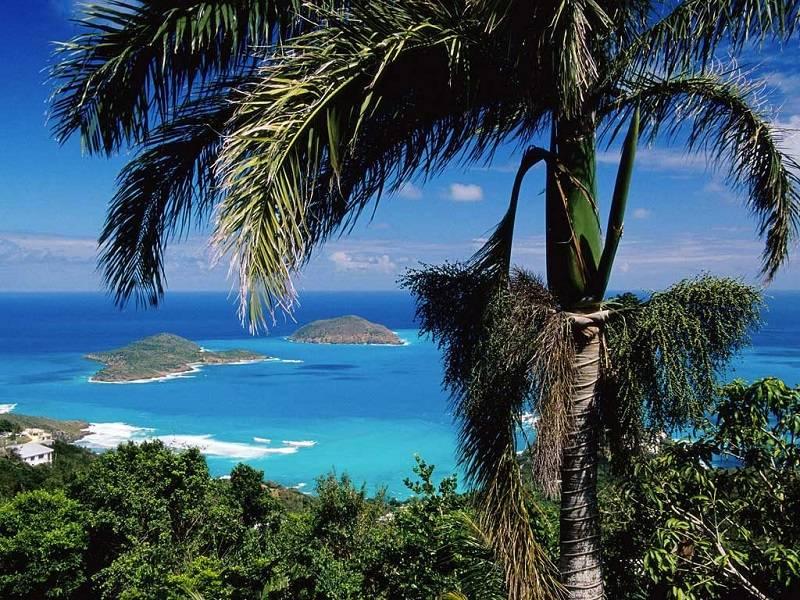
(193, 368)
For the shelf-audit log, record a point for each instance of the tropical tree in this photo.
(287, 121)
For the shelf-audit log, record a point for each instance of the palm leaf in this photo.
(667, 352)
(134, 61)
(335, 123)
(497, 344)
(692, 31)
(720, 115)
(166, 188)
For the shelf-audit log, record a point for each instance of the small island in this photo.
(160, 357)
(350, 329)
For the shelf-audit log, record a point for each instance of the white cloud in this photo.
(642, 213)
(346, 261)
(465, 192)
(660, 159)
(46, 262)
(409, 191)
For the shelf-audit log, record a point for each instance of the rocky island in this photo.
(350, 329)
(161, 356)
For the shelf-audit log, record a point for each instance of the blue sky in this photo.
(682, 219)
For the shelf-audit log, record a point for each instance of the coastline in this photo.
(193, 368)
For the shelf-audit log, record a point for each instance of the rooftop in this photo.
(30, 450)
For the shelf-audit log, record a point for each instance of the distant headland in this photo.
(350, 329)
(161, 356)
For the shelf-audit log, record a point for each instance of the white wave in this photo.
(291, 361)
(7, 408)
(103, 436)
(208, 445)
(194, 368)
(299, 486)
(246, 361)
(299, 443)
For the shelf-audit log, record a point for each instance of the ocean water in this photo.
(364, 410)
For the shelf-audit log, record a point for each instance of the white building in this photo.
(40, 436)
(33, 454)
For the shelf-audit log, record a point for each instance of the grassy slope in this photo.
(64, 430)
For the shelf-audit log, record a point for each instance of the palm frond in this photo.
(495, 254)
(490, 336)
(335, 124)
(135, 61)
(667, 352)
(470, 546)
(692, 31)
(576, 25)
(720, 116)
(166, 188)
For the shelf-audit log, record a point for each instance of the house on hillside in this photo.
(37, 435)
(33, 453)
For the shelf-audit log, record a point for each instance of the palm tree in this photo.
(286, 120)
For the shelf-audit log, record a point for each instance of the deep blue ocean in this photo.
(363, 410)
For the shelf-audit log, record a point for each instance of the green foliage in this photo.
(43, 546)
(667, 352)
(147, 522)
(7, 426)
(677, 528)
(69, 462)
(249, 492)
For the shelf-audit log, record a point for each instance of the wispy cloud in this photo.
(35, 261)
(642, 213)
(409, 191)
(346, 261)
(661, 159)
(465, 192)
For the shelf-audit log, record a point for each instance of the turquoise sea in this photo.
(356, 409)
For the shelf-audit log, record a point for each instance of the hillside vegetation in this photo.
(146, 522)
(350, 329)
(159, 356)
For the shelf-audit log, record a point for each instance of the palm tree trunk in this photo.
(580, 562)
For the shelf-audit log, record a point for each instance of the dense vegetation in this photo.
(144, 522)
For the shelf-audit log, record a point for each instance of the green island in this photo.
(350, 329)
(160, 356)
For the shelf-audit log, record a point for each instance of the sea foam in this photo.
(105, 436)
(7, 408)
(212, 447)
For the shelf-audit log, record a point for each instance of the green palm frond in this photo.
(497, 344)
(667, 352)
(719, 115)
(168, 187)
(135, 61)
(575, 25)
(334, 124)
(469, 546)
(692, 31)
(495, 254)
